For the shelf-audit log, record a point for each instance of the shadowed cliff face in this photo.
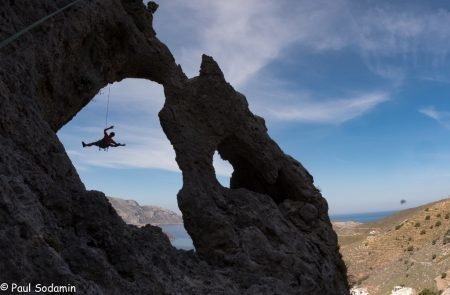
(269, 233)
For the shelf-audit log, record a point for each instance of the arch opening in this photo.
(223, 169)
(141, 179)
(247, 170)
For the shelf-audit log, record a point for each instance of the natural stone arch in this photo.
(272, 208)
(264, 237)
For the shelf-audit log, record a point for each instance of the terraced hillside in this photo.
(410, 248)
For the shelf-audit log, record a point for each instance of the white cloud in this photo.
(398, 41)
(442, 118)
(430, 112)
(327, 111)
(222, 167)
(133, 93)
(246, 36)
(406, 30)
(146, 147)
(134, 107)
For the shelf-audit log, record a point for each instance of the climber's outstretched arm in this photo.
(104, 130)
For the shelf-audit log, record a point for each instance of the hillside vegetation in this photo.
(410, 248)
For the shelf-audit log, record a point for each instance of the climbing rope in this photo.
(35, 24)
(107, 106)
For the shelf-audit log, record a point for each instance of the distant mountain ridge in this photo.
(133, 213)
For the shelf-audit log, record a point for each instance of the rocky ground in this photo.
(410, 248)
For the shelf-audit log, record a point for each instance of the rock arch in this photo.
(269, 233)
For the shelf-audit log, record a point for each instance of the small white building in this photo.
(359, 291)
(399, 290)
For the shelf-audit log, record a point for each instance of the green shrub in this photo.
(422, 232)
(398, 226)
(443, 275)
(427, 217)
(438, 223)
(358, 282)
(438, 215)
(447, 216)
(433, 257)
(410, 248)
(427, 209)
(428, 292)
(433, 242)
(417, 224)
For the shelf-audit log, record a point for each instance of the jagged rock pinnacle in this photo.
(209, 67)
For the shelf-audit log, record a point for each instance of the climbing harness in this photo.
(35, 24)
(103, 146)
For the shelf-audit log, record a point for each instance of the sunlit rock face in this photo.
(269, 233)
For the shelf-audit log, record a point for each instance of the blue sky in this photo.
(357, 91)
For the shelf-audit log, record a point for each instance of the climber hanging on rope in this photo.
(106, 141)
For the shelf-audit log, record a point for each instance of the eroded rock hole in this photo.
(142, 177)
(223, 169)
(249, 169)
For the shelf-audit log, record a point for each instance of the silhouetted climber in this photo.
(105, 142)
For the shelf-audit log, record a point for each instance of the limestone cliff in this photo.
(133, 213)
(269, 233)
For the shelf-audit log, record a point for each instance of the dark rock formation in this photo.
(133, 213)
(268, 234)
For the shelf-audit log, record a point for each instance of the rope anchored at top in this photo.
(107, 106)
(35, 24)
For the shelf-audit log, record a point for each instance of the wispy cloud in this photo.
(131, 94)
(395, 40)
(333, 111)
(146, 147)
(410, 40)
(243, 36)
(442, 117)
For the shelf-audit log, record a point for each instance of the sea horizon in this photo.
(362, 217)
(181, 239)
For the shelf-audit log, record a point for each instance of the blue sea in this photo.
(361, 217)
(183, 241)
